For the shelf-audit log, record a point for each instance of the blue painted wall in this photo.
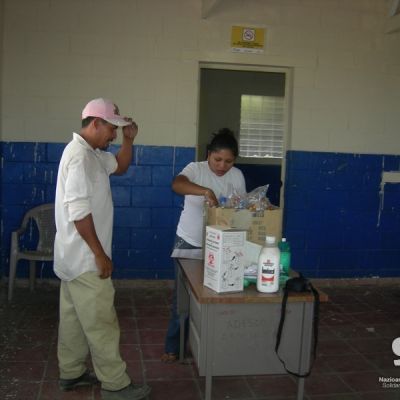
(146, 210)
(332, 206)
(331, 209)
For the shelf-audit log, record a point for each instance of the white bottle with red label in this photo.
(268, 267)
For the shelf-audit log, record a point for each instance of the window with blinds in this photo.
(261, 126)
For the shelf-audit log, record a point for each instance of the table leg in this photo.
(300, 389)
(181, 338)
(208, 385)
(305, 346)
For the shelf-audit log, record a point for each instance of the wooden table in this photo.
(235, 333)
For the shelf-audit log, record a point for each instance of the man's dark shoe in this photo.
(87, 379)
(131, 392)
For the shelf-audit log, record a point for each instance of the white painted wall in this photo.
(144, 54)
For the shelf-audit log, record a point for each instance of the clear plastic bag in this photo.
(257, 199)
(233, 199)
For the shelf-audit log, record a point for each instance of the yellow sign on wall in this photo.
(247, 40)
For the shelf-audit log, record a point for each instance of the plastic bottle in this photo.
(284, 262)
(268, 267)
(222, 201)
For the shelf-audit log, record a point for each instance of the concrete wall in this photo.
(146, 210)
(144, 54)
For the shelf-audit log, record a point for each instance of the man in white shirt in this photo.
(82, 254)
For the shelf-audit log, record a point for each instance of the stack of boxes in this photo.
(225, 233)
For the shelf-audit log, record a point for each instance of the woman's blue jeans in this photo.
(173, 332)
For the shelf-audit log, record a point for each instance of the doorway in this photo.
(223, 90)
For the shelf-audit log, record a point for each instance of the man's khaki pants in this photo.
(88, 322)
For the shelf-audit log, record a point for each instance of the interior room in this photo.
(312, 99)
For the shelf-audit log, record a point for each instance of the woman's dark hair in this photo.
(224, 139)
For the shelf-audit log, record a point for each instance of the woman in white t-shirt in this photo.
(201, 182)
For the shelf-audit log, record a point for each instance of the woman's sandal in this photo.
(169, 358)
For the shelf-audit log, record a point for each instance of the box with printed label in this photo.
(258, 224)
(223, 258)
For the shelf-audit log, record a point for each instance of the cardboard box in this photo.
(257, 224)
(223, 259)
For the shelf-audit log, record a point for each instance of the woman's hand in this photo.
(182, 185)
(210, 198)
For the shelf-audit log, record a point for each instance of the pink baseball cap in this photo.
(104, 109)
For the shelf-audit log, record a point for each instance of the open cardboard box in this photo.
(258, 224)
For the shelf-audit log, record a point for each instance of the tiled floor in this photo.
(357, 328)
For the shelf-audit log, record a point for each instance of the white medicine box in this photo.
(223, 258)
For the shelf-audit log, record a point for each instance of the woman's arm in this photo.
(182, 185)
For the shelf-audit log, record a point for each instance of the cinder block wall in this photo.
(145, 55)
(337, 220)
(145, 214)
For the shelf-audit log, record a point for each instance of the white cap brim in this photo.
(117, 121)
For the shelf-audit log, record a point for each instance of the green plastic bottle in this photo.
(284, 261)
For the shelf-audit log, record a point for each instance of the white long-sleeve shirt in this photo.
(83, 188)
